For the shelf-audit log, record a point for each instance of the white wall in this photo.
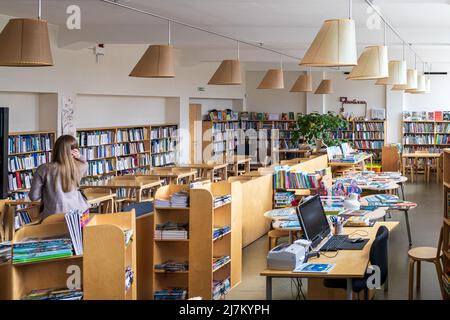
(437, 100)
(274, 100)
(23, 110)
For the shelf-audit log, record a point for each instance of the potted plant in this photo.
(318, 129)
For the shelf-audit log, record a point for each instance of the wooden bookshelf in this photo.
(425, 135)
(203, 247)
(119, 150)
(365, 135)
(107, 256)
(446, 225)
(42, 143)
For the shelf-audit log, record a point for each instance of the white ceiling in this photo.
(288, 25)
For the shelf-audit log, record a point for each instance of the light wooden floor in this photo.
(426, 221)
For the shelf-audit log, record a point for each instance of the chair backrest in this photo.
(390, 159)
(379, 252)
(140, 208)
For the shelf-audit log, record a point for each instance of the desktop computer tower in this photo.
(4, 129)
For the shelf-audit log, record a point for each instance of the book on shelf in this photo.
(129, 135)
(5, 251)
(218, 232)
(129, 277)
(99, 167)
(19, 180)
(163, 132)
(418, 127)
(175, 200)
(41, 249)
(220, 261)
(21, 218)
(220, 288)
(28, 162)
(128, 235)
(283, 198)
(76, 220)
(30, 143)
(221, 200)
(223, 115)
(172, 266)
(171, 294)
(172, 231)
(287, 178)
(54, 294)
(95, 138)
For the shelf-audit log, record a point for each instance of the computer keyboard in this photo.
(334, 243)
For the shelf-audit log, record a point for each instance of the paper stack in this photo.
(180, 200)
(76, 220)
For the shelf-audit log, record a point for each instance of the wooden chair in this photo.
(390, 159)
(275, 235)
(433, 167)
(425, 254)
(424, 167)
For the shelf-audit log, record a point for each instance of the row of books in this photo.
(220, 288)
(418, 139)
(76, 220)
(219, 232)
(21, 218)
(30, 143)
(165, 145)
(369, 126)
(132, 162)
(224, 146)
(226, 135)
(171, 294)
(443, 128)
(130, 135)
(33, 250)
(223, 115)
(222, 126)
(426, 115)
(163, 132)
(172, 266)
(283, 199)
(19, 180)
(105, 151)
(246, 125)
(286, 178)
(54, 294)
(172, 231)
(369, 135)
(283, 126)
(361, 144)
(164, 159)
(95, 138)
(344, 135)
(420, 127)
(221, 200)
(443, 139)
(99, 167)
(220, 261)
(28, 162)
(430, 149)
(265, 116)
(5, 251)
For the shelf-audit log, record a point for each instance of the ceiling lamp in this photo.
(372, 64)
(333, 46)
(421, 85)
(25, 43)
(399, 87)
(274, 78)
(325, 87)
(303, 83)
(397, 74)
(228, 73)
(428, 85)
(157, 62)
(412, 79)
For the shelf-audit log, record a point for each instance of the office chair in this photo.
(140, 208)
(378, 257)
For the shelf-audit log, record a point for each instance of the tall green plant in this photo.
(315, 126)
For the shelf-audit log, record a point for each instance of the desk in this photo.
(361, 162)
(238, 160)
(209, 170)
(172, 175)
(414, 156)
(99, 197)
(350, 264)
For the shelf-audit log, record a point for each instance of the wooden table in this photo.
(172, 175)
(209, 170)
(418, 155)
(350, 264)
(104, 199)
(240, 160)
(361, 162)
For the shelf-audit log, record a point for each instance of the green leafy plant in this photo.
(314, 126)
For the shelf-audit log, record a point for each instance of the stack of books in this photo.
(283, 198)
(172, 266)
(76, 220)
(222, 200)
(171, 294)
(180, 199)
(220, 261)
(54, 294)
(41, 249)
(286, 178)
(221, 288)
(220, 231)
(162, 201)
(5, 251)
(172, 231)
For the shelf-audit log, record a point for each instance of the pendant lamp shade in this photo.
(157, 62)
(399, 87)
(412, 79)
(397, 74)
(421, 85)
(333, 46)
(372, 64)
(228, 73)
(325, 87)
(428, 85)
(272, 80)
(25, 43)
(303, 84)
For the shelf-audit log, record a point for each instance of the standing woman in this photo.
(56, 183)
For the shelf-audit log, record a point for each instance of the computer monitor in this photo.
(313, 220)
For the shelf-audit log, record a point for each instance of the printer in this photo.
(288, 256)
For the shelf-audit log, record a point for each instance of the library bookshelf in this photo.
(365, 135)
(104, 252)
(26, 151)
(425, 135)
(200, 249)
(446, 227)
(106, 257)
(120, 150)
(222, 139)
